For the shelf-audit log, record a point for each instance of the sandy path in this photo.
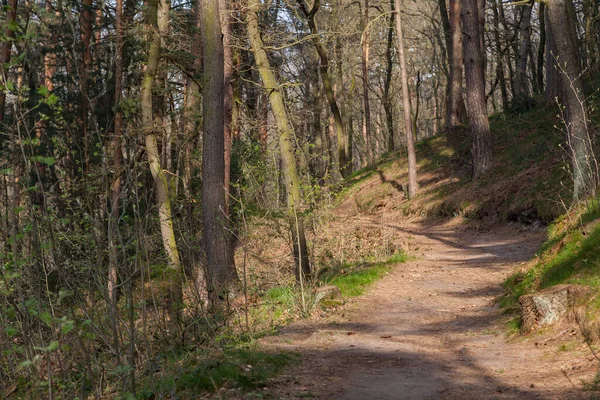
(431, 329)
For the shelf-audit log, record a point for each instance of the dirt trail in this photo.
(432, 330)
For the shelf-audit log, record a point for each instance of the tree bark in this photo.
(481, 141)
(554, 92)
(541, 48)
(163, 200)
(500, 55)
(387, 101)
(583, 162)
(365, 77)
(286, 133)
(410, 145)
(455, 110)
(221, 274)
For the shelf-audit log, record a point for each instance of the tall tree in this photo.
(481, 140)
(541, 48)
(408, 126)
(286, 148)
(583, 164)
(221, 274)
(455, 109)
(387, 101)
(522, 93)
(86, 21)
(340, 130)
(365, 78)
(163, 200)
(499, 56)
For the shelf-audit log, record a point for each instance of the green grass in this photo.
(353, 280)
(570, 256)
(243, 368)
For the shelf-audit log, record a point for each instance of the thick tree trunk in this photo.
(228, 126)
(481, 145)
(163, 200)
(554, 92)
(221, 274)
(410, 145)
(583, 162)
(455, 111)
(5, 49)
(285, 130)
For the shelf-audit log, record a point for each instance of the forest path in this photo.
(431, 329)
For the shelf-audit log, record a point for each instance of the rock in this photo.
(548, 306)
(329, 292)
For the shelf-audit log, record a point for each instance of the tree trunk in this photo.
(286, 133)
(583, 162)
(410, 145)
(113, 221)
(553, 85)
(86, 19)
(387, 101)
(541, 48)
(481, 145)
(338, 169)
(5, 49)
(163, 200)
(221, 274)
(521, 99)
(225, 12)
(365, 77)
(591, 15)
(500, 55)
(455, 110)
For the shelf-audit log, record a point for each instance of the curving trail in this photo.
(432, 330)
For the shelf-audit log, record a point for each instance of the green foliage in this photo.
(571, 255)
(239, 367)
(353, 280)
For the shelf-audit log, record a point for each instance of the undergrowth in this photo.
(571, 255)
(243, 368)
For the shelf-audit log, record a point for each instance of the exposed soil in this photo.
(432, 329)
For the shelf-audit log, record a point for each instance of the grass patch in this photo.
(243, 368)
(570, 256)
(354, 279)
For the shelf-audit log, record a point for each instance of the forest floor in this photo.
(432, 329)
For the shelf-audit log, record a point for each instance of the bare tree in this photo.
(408, 126)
